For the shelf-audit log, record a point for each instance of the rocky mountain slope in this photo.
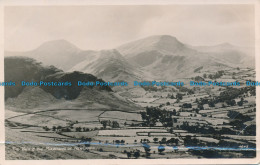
(167, 58)
(109, 65)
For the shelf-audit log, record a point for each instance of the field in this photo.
(93, 130)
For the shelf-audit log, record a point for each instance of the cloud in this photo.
(99, 27)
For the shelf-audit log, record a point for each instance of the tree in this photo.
(198, 78)
(174, 112)
(172, 97)
(46, 128)
(179, 96)
(137, 154)
(59, 127)
(188, 141)
(78, 129)
(196, 110)
(129, 155)
(104, 123)
(54, 128)
(231, 102)
(143, 115)
(250, 130)
(211, 104)
(115, 124)
(163, 141)
(200, 106)
(223, 105)
(240, 103)
(161, 148)
(147, 149)
(155, 140)
(88, 140)
(204, 75)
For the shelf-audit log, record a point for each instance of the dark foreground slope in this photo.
(18, 69)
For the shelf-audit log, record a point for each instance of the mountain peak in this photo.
(58, 45)
(110, 54)
(167, 37)
(160, 38)
(167, 40)
(164, 44)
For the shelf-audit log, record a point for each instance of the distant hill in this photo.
(60, 53)
(109, 65)
(19, 69)
(160, 44)
(235, 55)
(167, 58)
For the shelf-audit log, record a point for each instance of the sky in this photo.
(106, 27)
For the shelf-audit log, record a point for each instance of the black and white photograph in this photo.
(173, 81)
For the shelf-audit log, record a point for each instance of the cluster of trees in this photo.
(80, 129)
(214, 76)
(136, 154)
(232, 93)
(170, 96)
(189, 141)
(209, 153)
(186, 105)
(68, 129)
(198, 78)
(113, 124)
(164, 140)
(197, 147)
(226, 96)
(144, 141)
(178, 96)
(87, 141)
(147, 149)
(150, 88)
(250, 130)
(119, 141)
(241, 102)
(184, 89)
(46, 128)
(205, 130)
(239, 119)
(58, 128)
(154, 114)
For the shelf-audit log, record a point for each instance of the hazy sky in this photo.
(104, 27)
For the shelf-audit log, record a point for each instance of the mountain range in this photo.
(160, 57)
